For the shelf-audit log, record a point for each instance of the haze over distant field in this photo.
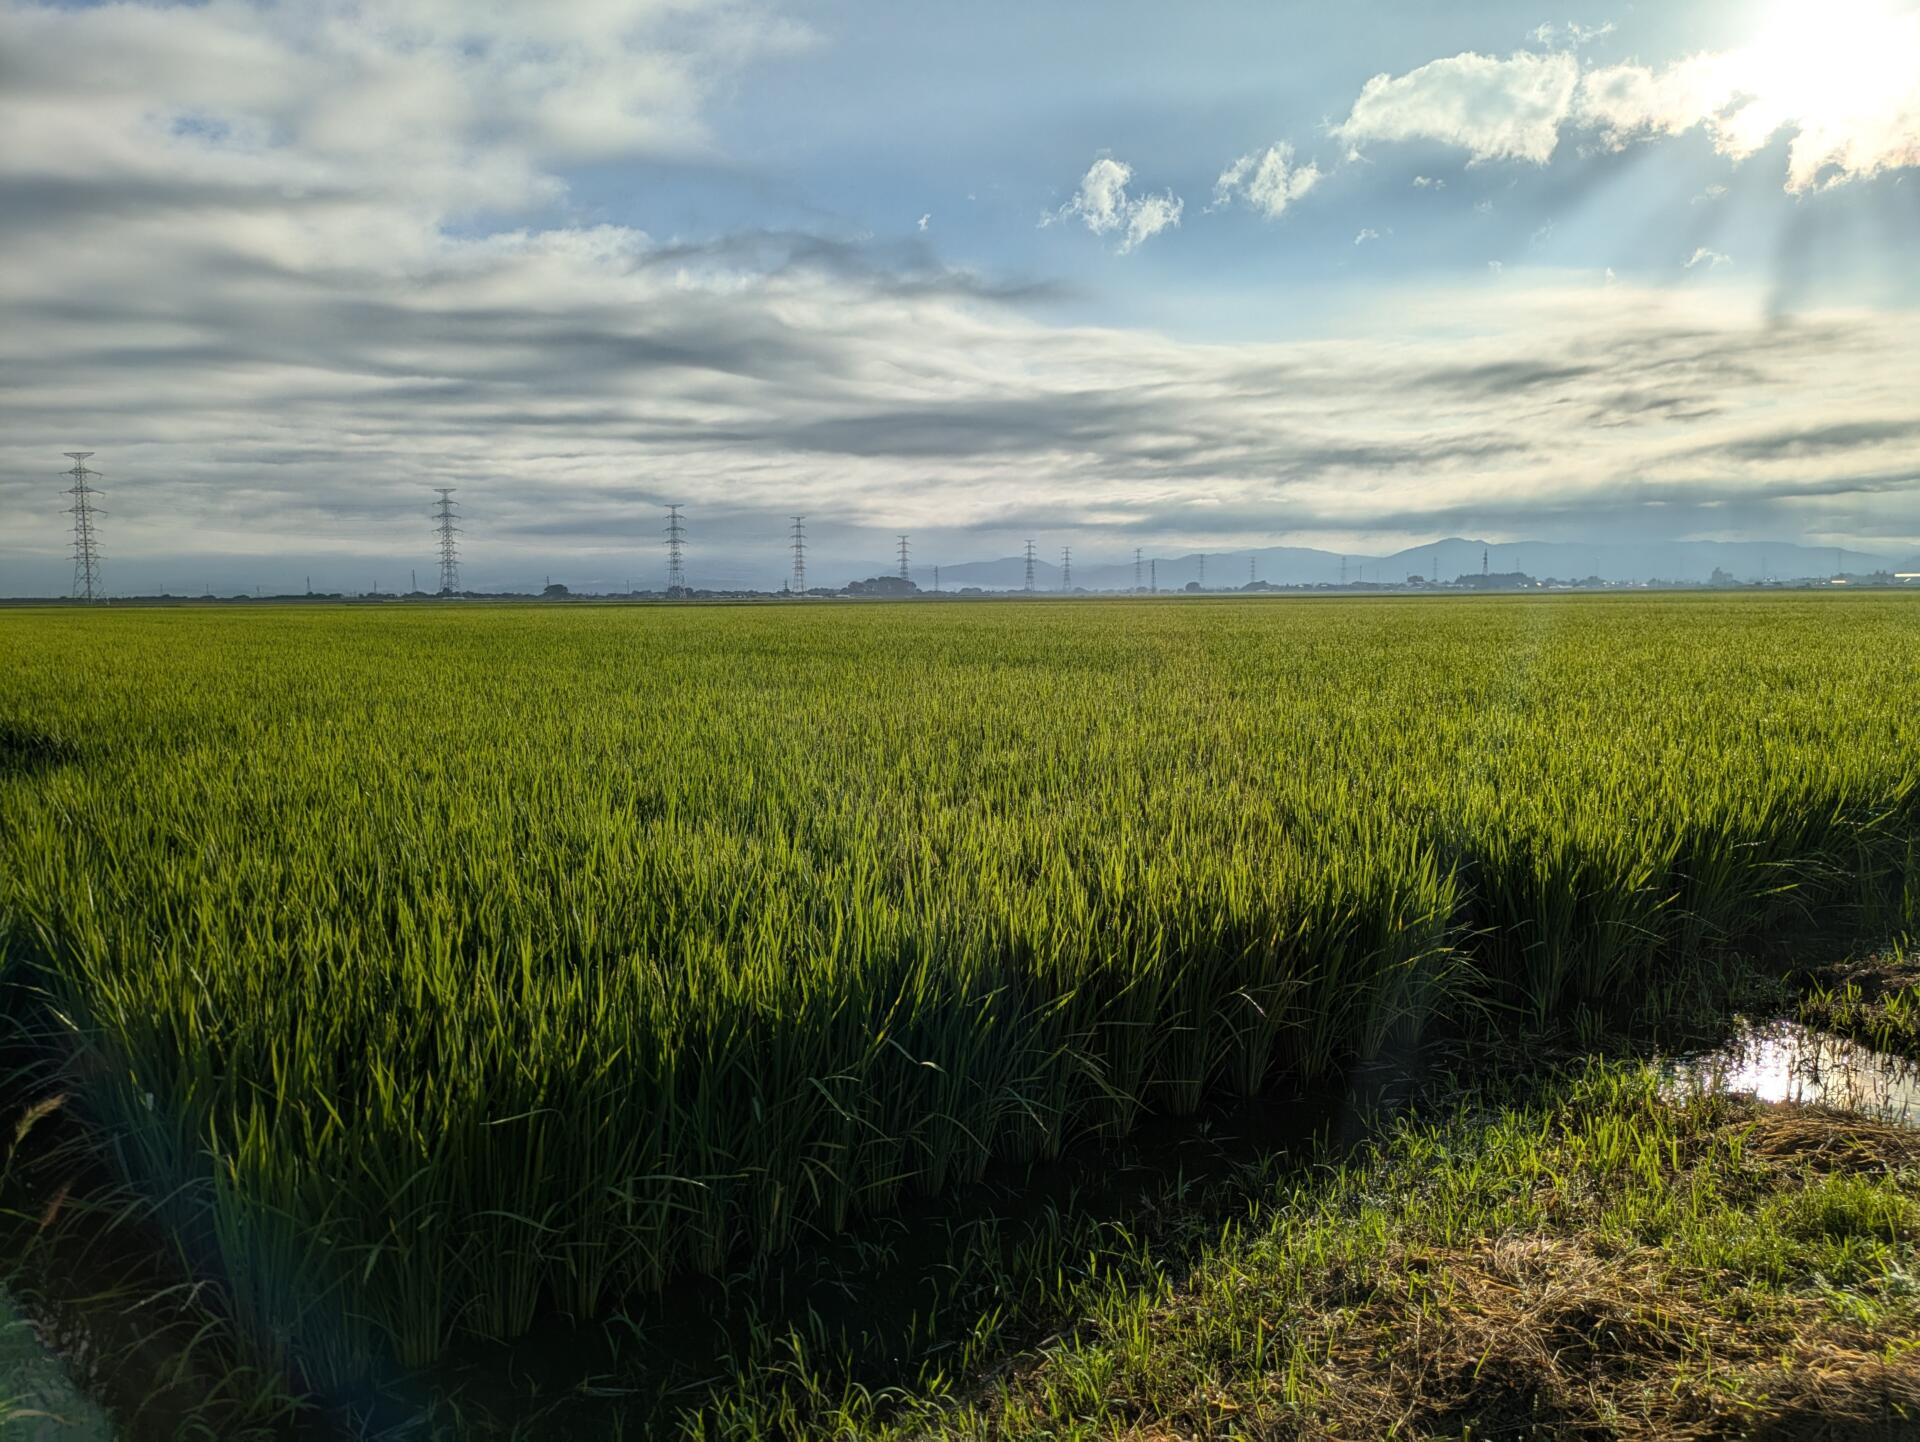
(1183, 278)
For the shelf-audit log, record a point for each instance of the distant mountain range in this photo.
(1446, 560)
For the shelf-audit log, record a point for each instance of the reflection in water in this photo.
(1786, 1062)
(37, 1401)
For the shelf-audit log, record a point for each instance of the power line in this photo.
(86, 553)
(676, 543)
(1029, 565)
(447, 512)
(1066, 568)
(905, 573)
(799, 555)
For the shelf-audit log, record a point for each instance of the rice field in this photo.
(430, 971)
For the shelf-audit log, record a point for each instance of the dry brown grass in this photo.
(1828, 1140)
(1572, 1336)
(1547, 1337)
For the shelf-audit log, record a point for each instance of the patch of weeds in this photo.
(1876, 1002)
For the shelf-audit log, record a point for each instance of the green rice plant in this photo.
(428, 971)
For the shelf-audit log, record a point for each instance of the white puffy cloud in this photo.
(1269, 180)
(1845, 87)
(1103, 203)
(1148, 216)
(1366, 234)
(1494, 109)
(1711, 259)
(1842, 81)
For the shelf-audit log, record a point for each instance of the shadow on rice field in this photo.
(1575, 1248)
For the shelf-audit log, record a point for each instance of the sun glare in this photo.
(1821, 64)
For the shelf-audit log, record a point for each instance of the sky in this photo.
(1107, 275)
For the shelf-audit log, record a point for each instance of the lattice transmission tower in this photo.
(799, 543)
(1136, 568)
(1066, 568)
(86, 550)
(676, 548)
(905, 573)
(1029, 565)
(445, 514)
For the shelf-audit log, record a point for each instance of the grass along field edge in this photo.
(1600, 1260)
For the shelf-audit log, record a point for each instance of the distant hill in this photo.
(1447, 559)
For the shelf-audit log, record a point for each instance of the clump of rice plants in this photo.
(430, 970)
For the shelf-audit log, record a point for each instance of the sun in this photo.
(1825, 64)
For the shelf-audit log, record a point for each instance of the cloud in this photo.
(1148, 216)
(1839, 437)
(558, 380)
(1102, 202)
(1847, 94)
(442, 105)
(1711, 259)
(925, 220)
(1269, 180)
(1845, 90)
(278, 345)
(1573, 33)
(1366, 234)
(1428, 182)
(1494, 109)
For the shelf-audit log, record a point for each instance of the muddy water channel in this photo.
(1783, 1061)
